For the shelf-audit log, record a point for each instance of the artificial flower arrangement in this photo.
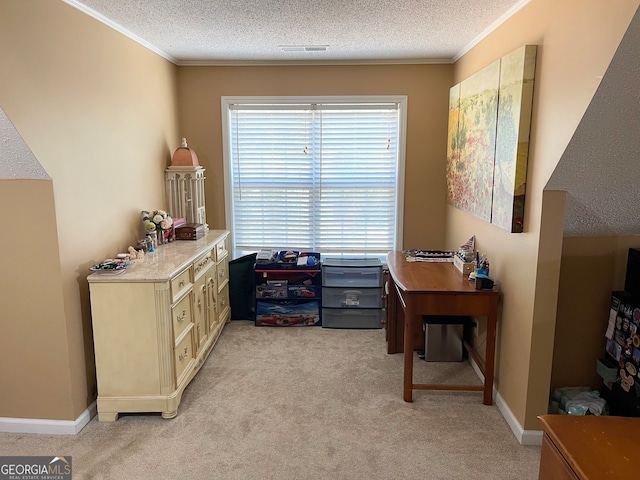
(157, 221)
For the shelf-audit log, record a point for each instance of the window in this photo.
(318, 174)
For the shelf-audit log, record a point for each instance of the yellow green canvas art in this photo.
(488, 140)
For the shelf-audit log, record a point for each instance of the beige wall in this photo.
(576, 40)
(31, 296)
(426, 86)
(99, 113)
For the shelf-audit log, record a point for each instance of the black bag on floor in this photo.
(242, 286)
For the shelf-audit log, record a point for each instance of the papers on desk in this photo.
(429, 259)
(428, 255)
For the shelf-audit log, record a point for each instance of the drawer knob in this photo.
(181, 283)
(180, 318)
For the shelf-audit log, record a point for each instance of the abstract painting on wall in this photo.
(474, 137)
(488, 140)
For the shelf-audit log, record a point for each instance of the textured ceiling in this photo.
(212, 32)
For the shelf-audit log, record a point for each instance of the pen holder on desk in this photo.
(482, 271)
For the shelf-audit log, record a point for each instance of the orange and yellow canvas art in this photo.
(470, 173)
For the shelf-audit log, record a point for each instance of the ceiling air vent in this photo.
(304, 48)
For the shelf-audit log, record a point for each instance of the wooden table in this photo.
(437, 288)
(589, 448)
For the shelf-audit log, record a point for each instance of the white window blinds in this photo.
(319, 177)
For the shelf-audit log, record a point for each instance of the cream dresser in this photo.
(155, 324)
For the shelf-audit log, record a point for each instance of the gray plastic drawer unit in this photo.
(352, 293)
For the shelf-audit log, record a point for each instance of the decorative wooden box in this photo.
(190, 231)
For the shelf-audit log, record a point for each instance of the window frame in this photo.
(401, 100)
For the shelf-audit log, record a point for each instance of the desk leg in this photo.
(490, 355)
(408, 351)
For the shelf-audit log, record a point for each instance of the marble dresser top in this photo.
(167, 261)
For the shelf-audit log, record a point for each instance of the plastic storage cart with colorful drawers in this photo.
(288, 290)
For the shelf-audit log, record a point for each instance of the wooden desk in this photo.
(436, 288)
(589, 447)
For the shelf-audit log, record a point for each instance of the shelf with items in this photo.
(288, 297)
(288, 260)
(620, 367)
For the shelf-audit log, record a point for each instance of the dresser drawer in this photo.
(200, 266)
(181, 315)
(222, 250)
(184, 355)
(222, 274)
(180, 283)
(223, 301)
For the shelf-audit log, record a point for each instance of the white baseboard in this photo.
(524, 437)
(51, 427)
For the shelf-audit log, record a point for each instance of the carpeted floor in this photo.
(301, 403)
